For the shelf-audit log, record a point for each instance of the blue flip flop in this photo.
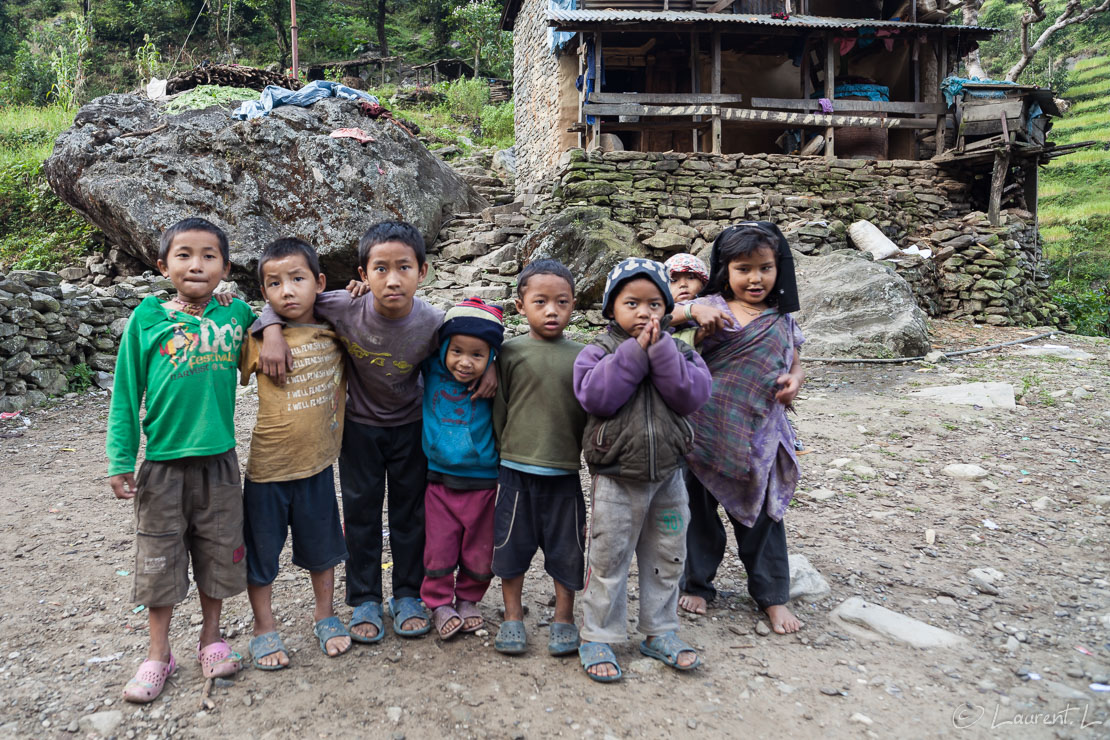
(368, 613)
(667, 647)
(598, 653)
(404, 609)
(267, 644)
(563, 639)
(327, 629)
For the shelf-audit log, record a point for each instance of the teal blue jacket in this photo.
(458, 431)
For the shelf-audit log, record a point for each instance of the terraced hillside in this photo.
(1075, 190)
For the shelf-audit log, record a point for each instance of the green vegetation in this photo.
(80, 377)
(37, 230)
(1075, 201)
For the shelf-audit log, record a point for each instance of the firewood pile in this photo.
(230, 75)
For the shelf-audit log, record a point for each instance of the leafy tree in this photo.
(477, 27)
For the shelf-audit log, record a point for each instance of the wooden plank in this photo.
(758, 116)
(991, 111)
(998, 182)
(830, 93)
(716, 88)
(868, 106)
(666, 98)
(720, 5)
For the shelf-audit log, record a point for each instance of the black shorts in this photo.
(540, 512)
(306, 505)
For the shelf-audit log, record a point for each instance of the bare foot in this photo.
(414, 623)
(692, 604)
(604, 670)
(448, 627)
(782, 619)
(366, 631)
(336, 646)
(273, 659)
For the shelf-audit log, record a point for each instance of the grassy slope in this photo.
(1077, 186)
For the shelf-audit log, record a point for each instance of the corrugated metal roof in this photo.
(557, 17)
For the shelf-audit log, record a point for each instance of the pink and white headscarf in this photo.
(685, 262)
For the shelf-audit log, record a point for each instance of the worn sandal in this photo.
(263, 645)
(599, 653)
(218, 661)
(368, 613)
(512, 638)
(563, 639)
(441, 616)
(149, 681)
(329, 628)
(667, 647)
(406, 608)
(469, 610)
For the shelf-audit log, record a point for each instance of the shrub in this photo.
(466, 98)
(1088, 304)
(80, 377)
(497, 125)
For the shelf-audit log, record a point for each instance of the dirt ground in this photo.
(70, 638)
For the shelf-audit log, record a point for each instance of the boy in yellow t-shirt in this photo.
(296, 439)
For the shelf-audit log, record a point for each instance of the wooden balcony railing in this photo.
(704, 6)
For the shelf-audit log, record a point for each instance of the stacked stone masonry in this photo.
(680, 203)
(48, 326)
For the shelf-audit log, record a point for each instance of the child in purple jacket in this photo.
(637, 383)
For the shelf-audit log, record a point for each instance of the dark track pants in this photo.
(762, 549)
(371, 456)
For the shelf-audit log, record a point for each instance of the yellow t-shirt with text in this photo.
(300, 425)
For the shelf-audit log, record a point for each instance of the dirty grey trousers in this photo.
(647, 519)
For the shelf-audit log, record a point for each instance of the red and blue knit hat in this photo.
(474, 318)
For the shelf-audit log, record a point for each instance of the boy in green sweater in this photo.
(183, 356)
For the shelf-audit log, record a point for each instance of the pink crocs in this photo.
(217, 660)
(149, 681)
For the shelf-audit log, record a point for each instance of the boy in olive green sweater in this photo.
(539, 423)
(183, 356)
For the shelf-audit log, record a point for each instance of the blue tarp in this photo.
(953, 87)
(274, 96)
(557, 40)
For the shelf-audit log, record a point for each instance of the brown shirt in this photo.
(300, 426)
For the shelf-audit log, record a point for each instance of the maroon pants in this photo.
(458, 528)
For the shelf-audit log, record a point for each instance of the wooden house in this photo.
(842, 78)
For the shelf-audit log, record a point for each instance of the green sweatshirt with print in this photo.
(186, 368)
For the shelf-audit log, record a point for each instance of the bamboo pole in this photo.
(293, 30)
(830, 93)
(717, 89)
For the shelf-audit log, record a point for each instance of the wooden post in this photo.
(942, 72)
(717, 89)
(293, 32)
(830, 93)
(582, 96)
(596, 133)
(998, 182)
(1032, 196)
(695, 82)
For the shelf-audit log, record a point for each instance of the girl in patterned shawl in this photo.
(744, 456)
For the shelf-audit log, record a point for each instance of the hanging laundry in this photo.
(826, 105)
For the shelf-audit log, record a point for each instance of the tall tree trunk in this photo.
(1072, 14)
(277, 20)
(381, 29)
(971, 18)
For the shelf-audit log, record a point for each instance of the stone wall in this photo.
(47, 326)
(537, 91)
(680, 202)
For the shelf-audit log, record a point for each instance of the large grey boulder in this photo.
(133, 171)
(853, 307)
(588, 242)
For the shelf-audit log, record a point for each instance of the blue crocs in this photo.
(368, 613)
(404, 609)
